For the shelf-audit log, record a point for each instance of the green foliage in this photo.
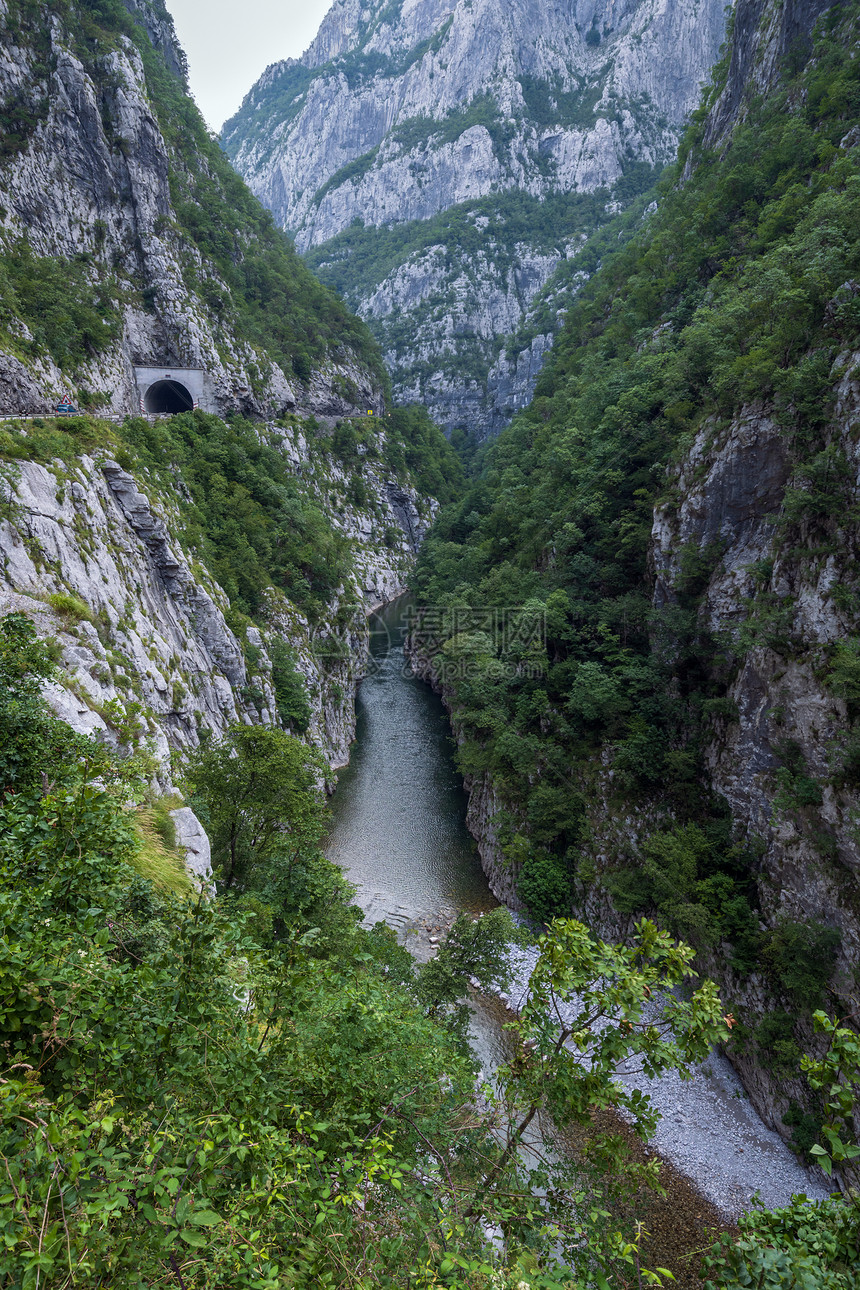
(776, 1045)
(70, 607)
(836, 1077)
(46, 439)
(252, 519)
(474, 949)
(258, 792)
(158, 858)
(191, 1094)
(806, 1128)
(801, 957)
(567, 1067)
(700, 885)
(549, 104)
(544, 884)
(732, 294)
(251, 281)
(70, 311)
(291, 690)
(414, 441)
(797, 788)
(843, 676)
(808, 1245)
(31, 740)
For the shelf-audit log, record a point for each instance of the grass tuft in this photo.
(159, 859)
(70, 607)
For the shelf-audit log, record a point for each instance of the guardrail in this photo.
(116, 417)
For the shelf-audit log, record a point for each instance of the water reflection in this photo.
(399, 829)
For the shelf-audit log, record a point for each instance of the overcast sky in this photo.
(229, 44)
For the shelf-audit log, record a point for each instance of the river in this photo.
(399, 833)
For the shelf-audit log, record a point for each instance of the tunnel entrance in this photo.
(167, 397)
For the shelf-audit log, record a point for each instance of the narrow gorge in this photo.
(310, 976)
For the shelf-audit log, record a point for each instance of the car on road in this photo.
(66, 410)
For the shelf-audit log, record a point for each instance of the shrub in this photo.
(70, 606)
(777, 1047)
(544, 885)
(630, 888)
(290, 688)
(807, 1129)
(33, 743)
(800, 957)
(70, 310)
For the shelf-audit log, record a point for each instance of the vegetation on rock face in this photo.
(414, 267)
(480, 242)
(807, 1244)
(734, 291)
(253, 519)
(67, 315)
(738, 294)
(254, 1090)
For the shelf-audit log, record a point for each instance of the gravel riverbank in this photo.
(709, 1130)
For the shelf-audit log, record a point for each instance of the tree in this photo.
(34, 747)
(259, 789)
(474, 948)
(592, 1006)
(807, 1245)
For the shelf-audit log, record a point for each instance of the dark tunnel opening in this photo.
(167, 397)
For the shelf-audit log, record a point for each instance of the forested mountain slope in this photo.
(127, 239)
(679, 505)
(442, 162)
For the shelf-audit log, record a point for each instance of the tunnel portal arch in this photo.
(167, 397)
(164, 391)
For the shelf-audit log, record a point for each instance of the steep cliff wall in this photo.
(473, 144)
(764, 36)
(152, 654)
(126, 239)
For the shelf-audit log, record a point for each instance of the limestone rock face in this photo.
(763, 35)
(401, 115)
(90, 182)
(779, 611)
(373, 68)
(192, 838)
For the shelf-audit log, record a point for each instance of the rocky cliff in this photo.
(764, 37)
(126, 240)
(152, 656)
(440, 160)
